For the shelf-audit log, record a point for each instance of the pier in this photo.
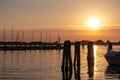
(29, 46)
(18, 42)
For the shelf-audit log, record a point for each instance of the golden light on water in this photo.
(95, 55)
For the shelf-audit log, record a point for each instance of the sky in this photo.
(68, 17)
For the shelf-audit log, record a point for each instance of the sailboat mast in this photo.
(50, 38)
(58, 38)
(22, 36)
(40, 36)
(46, 36)
(17, 37)
(12, 34)
(4, 35)
(32, 37)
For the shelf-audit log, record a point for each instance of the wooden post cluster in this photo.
(67, 61)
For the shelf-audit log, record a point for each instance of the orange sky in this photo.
(68, 17)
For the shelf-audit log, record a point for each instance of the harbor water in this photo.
(46, 65)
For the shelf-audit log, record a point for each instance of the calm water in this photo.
(46, 65)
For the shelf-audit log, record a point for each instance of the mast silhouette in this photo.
(4, 35)
(40, 36)
(12, 34)
(46, 37)
(32, 37)
(50, 38)
(22, 36)
(58, 38)
(17, 37)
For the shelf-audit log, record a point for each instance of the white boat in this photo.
(113, 57)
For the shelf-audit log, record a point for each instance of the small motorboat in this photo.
(113, 57)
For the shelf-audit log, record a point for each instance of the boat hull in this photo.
(113, 58)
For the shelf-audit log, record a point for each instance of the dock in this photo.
(29, 46)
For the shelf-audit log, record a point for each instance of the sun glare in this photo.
(93, 23)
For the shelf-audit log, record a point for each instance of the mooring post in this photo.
(109, 47)
(67, 61)
(67, 54)
(77, 53)
(77, 61)
(90, 59)
(90, 56)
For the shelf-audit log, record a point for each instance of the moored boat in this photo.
(113, 57)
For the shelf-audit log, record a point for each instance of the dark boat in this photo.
(113, 57)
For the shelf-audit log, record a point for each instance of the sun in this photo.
(93, 23)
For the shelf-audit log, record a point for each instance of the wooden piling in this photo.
(66, 67)
(77, 54)
(67, 54)
(77, 61)
(90, 59)
(109, 47)
(90, 56)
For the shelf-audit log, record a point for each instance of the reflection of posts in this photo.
(67, 61)
(77, 61)
(90, 59)
(4, 61)
(113, 70)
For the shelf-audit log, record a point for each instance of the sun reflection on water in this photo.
(95, 60)
(95, 55)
